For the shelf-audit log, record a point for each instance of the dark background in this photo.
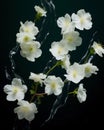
(73, 115)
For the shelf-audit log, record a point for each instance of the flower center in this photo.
(31, 49)
(60, 50)
(67, 23)
(25, 109)
(70, 39)
(26, 39)
(27, 29)
(82, 20)
(74, 73)
(87, 69)
(15, 90)
(53, 85)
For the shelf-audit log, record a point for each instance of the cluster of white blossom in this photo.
(30, 49)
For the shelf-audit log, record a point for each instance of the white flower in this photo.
(90, 69)
(72, 40)
(26, 110)
(65, 24)
(29, 27)
(81, 94)
(24, 37)
(30, 50)
(75, 73)
(58, 50)
(66, 62)
(98, 49)
(40, 11)
(53, 85)
(16, 90)
(27, 32)
(82, 20)
(37, 77)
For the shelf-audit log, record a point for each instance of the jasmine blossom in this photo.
(15, 91)
(37, 77)
(65, 24)
(75, 73)
(58, 50)
(30, 50)
(82, 20)
(24, 37)
(81, 93)
(40, 11)
(72, 40)
(53, 85)
(90, 69)
(98, 48)
(26, 110)
(28, 27)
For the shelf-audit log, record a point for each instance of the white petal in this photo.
(48, 90)
(7, 89)
(16, 82)
(20, 96)
(58, 91)
(11, 97)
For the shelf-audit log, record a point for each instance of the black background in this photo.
(73, 115)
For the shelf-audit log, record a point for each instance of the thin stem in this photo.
(36, 88)
(40, 94)
(74, 92)
(71, 92)
(53, 67)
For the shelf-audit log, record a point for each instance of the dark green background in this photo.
(73, 115)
